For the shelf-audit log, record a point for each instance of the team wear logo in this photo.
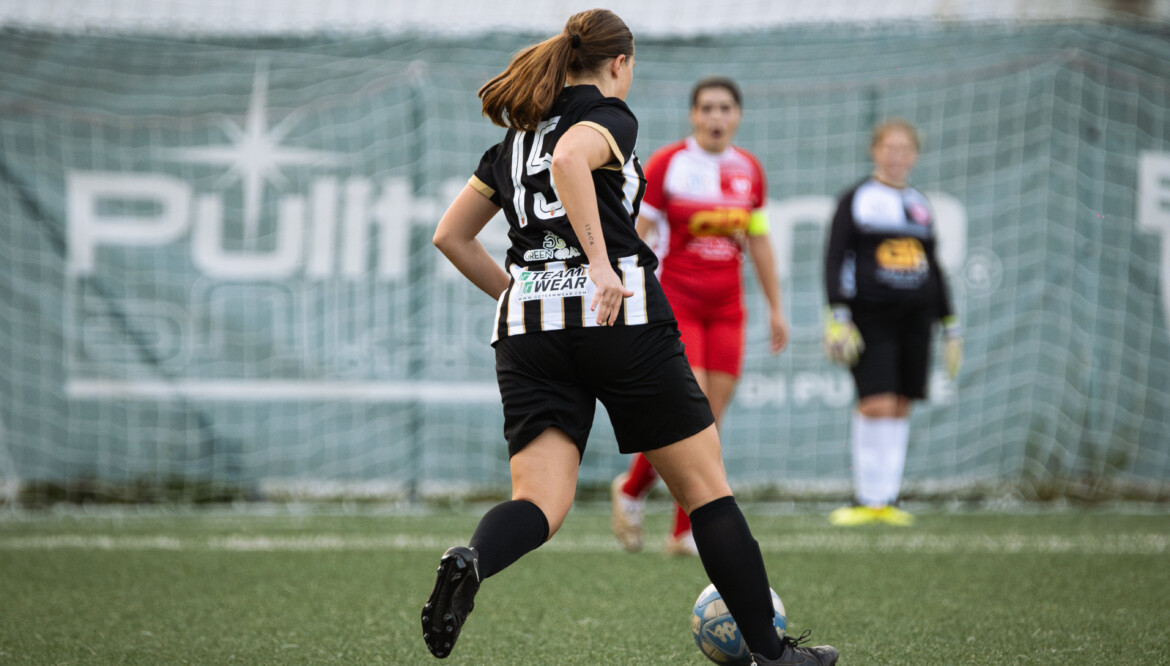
(563, 283)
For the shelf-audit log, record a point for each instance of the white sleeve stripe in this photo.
(630, 185)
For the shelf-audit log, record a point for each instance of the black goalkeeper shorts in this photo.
(639, 373)
(896, 358)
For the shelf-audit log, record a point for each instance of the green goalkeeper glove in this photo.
(953, 351)
(842, 342)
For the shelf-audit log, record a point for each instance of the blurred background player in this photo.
(704, 207)
(885, 290)
(590, 324)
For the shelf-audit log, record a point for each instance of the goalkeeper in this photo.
(885, 291)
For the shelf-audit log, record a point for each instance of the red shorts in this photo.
(713, 333)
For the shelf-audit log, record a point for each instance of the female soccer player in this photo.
(581, 317)
(704, 207)
(885, 291)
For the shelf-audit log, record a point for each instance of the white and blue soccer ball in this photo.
(716, 634)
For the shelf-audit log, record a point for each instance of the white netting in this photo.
(217, 275)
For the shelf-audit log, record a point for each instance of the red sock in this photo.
(642, 476)
(682, 522)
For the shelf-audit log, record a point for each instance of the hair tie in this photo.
(576, 40)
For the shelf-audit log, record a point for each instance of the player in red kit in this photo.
(704, 208)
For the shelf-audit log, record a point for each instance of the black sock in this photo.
(735, 565)
(506, 532)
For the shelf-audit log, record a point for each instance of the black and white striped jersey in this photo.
(550, 287)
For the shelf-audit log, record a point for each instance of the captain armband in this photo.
(758, 222)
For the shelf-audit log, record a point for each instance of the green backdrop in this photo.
(215, 259)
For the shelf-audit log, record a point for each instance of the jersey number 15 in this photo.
(534, 163)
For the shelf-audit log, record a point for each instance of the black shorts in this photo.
(639, 373)
(897, 349)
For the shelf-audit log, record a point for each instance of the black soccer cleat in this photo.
(794, 655)
(452, 599)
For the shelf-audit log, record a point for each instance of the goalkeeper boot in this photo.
(794, 655)
(451, 600)
(851, 516)
(627, 515)
(892, 515)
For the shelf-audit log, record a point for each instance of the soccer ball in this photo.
(716, 634)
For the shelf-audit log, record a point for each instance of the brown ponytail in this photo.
(520, 95)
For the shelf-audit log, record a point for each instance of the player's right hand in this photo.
(609, 295)
(842, 341)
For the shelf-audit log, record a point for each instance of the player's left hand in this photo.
(953, 355)
(953, 351)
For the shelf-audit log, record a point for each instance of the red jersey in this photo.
(704, 204)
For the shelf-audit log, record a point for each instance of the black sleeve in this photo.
(840, 242)
(617, 123)
(485, 174)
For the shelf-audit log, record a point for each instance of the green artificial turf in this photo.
(282, 587)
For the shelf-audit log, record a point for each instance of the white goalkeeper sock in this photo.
(897, 440)
(879, 456)
(866, 459)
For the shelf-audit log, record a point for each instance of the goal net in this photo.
(217, 278)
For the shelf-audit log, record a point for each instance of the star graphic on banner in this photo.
(255, 155)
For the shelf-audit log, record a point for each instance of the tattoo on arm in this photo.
(589, 234)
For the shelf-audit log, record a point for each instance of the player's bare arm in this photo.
(580, 151)
(456, 239)
(760, 249)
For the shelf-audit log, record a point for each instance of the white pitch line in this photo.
(234, 390)
(1122, 544)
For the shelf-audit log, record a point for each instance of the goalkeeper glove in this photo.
(842, 342)
(953, 351)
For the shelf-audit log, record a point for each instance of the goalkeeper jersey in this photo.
(550, 287)
(881, 250)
